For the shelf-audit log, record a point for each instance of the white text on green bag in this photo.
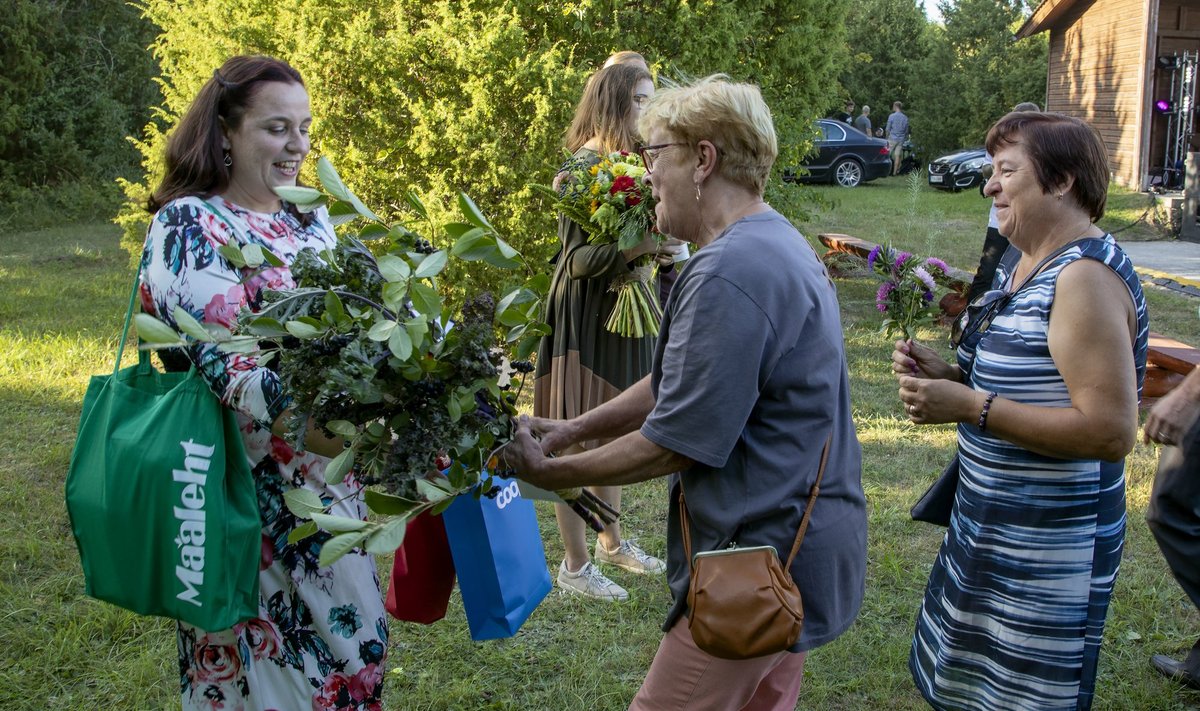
(190, 542)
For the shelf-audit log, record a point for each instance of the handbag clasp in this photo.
(733, 548)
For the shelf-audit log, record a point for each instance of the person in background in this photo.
(994, 243)
(668, 268)
(1045, 394)
(627, 56)
(1174, 511)
(846, 115)
(897, 134)
(582, 365)
(863, 122)
(749, 382)
(321, 636)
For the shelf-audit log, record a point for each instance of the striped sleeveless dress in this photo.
(1014, 611)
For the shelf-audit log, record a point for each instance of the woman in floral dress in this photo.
(320, 639)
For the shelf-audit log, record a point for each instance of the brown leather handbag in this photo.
(741, 602)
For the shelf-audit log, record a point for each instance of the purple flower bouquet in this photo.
(910, 285)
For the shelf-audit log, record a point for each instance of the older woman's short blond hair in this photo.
(731, 115)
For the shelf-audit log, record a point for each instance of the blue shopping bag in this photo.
(498, 554)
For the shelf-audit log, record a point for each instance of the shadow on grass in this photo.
(60, 650)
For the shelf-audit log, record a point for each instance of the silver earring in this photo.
(697, 192)
(229, 162)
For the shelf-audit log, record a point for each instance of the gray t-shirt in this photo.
(749, 380)
(863, 124)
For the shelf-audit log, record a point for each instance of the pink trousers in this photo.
(682, 677)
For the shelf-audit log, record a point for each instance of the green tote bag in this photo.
(161, 498)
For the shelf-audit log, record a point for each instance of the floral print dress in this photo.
(320, 639)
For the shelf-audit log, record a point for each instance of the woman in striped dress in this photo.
(1045, 393)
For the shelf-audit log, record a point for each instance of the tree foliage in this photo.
(445, 95)
(887, 40)
(75, 81)
(955, 78)
(991, 72)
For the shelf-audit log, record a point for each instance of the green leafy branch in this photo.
(370, 352)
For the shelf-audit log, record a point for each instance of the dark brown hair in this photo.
(1060, 147)
(195, 160)
(603, 111)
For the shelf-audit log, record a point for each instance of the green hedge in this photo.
(440, 96)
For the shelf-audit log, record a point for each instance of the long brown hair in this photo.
(603, 111)
(195, 160)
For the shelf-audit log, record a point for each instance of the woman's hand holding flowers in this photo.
(929, 386)
(525, 453)
(533, 441)
(655, 245)
(552, 435)
(921, 361)
(648, 245)
(607, 200)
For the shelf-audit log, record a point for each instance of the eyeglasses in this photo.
(978, 315)
(649, 154)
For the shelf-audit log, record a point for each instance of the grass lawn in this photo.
(61, 304)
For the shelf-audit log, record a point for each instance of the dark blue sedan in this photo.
(845, 156)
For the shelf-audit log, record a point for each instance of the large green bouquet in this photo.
(609, 201)
(368, 350)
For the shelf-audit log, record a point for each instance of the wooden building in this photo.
(1103, 68)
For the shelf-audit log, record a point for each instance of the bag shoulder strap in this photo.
(133, 291)
(812, 499)
(143, 357)
(1000, 304)
(1040, 266)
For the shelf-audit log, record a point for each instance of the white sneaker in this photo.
(630, 556)
(589, 581)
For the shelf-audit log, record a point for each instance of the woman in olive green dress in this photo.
(581, 364)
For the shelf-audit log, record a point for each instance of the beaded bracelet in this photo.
(987, 405)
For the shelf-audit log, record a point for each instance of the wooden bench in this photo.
(1168, 361)
(951, 304)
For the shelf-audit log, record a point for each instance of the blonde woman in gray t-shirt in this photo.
(748, 382)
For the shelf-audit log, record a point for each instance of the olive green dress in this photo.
(581, 364)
